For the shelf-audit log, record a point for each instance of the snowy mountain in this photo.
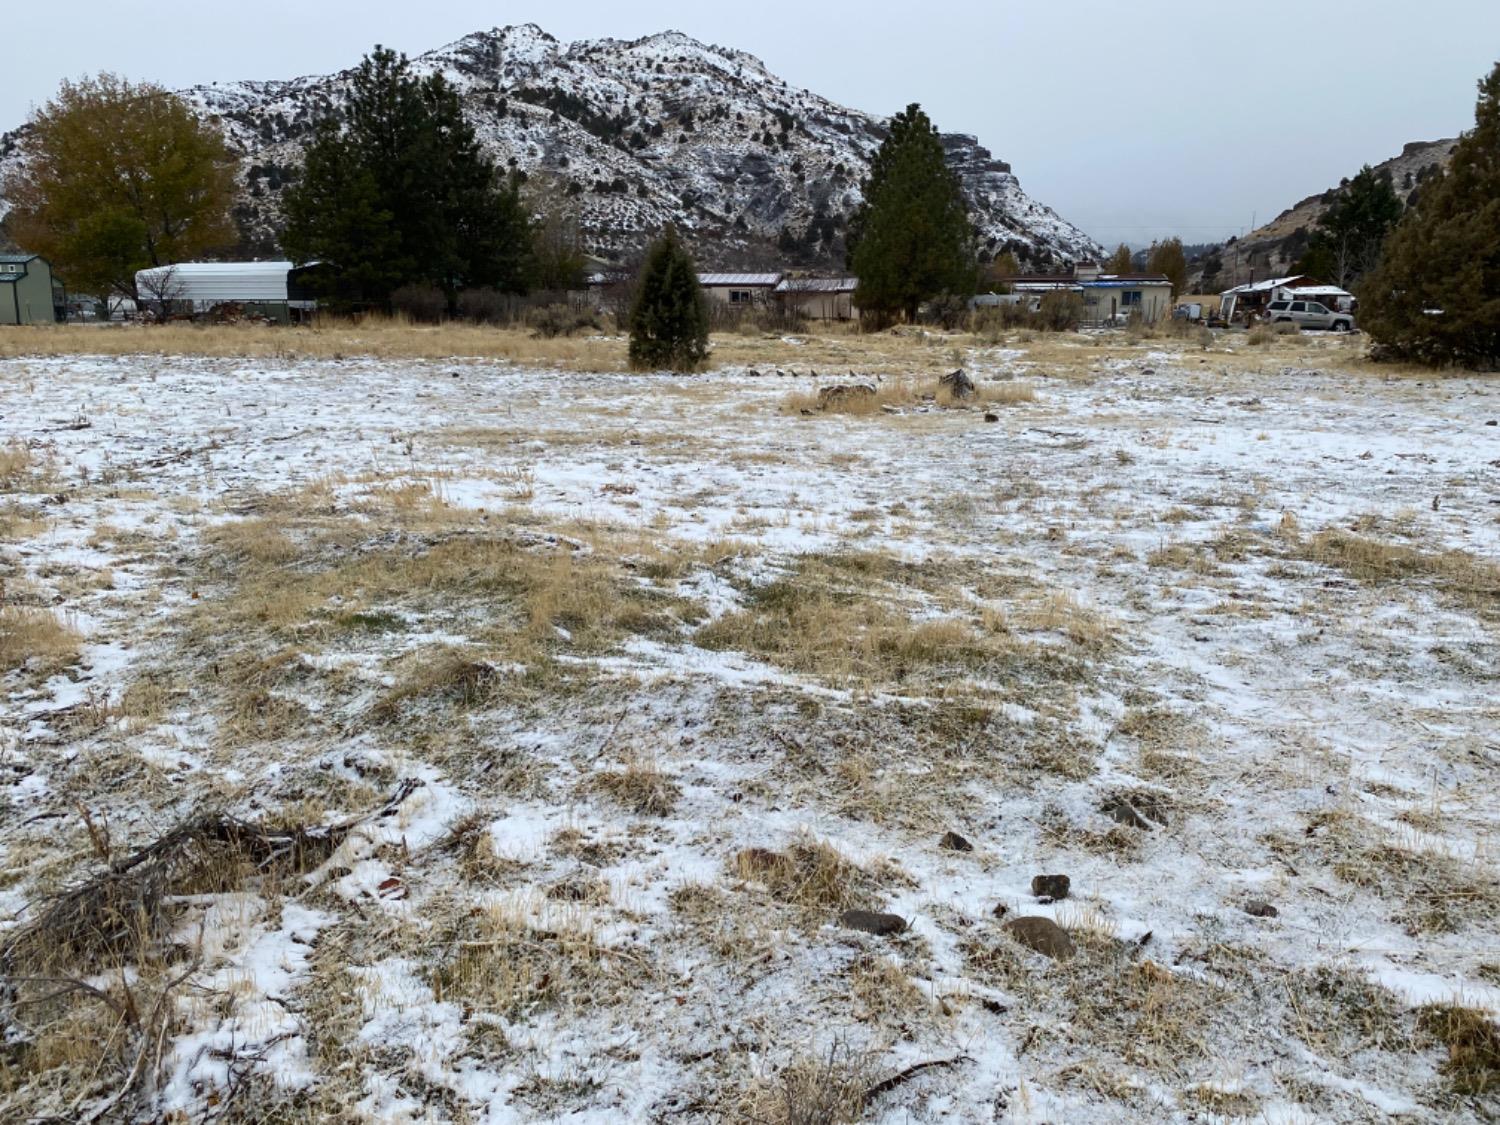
(639, 134)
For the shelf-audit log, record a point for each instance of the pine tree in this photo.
(1167, 258)
(911, 239)
(1351, 233)
(1435, 296)
(1123, 261)
(118, 177)
(669, 317)
(399, 192)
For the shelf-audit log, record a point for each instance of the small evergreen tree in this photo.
(911, 239)
(1167, 258)
(1351, 233)
(669, 317)
(1122, 261)
(1435, 296)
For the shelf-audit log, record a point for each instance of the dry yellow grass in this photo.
(256, 540)
(537, 596)
(640, 786)
(812, 1089)
(826, 348)
(1472, 1039)
(379, 337)
(812, 876)
(35, 637)
(15, 464)
(901, 394)
(845, 638)
(1374, 560)
(524, 955)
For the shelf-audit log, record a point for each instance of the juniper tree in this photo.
(1435, 296)
(397, 191)
(669, 316)
(911, 239)
(1351, 233)
(1122, 261)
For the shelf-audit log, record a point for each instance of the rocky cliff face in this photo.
(639, 134)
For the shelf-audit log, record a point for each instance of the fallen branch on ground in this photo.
(901, 1077)
(125, 907)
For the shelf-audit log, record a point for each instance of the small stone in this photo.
(1050, 888)
(953, 842)
(1258, 909)
(1043, 935)
(1493, 422)
(992, 417)
(872, 922)
(1001, 910)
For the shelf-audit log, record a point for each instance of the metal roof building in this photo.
(1108, 298)
(738, 280)
(29, 292)
(818, 285)
(269, 288)
(216, 282)
(819, 298)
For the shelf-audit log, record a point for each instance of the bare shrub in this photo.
(132, 904)
(547, 322)
(813, 1089)
(1060, 312)
(1056, 312)
(488, 306)
(425, 303)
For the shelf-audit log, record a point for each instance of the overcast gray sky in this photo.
(1131, 120)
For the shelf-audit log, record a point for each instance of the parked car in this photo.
(1309, 314)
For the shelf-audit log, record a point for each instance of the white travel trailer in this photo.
(270, 289)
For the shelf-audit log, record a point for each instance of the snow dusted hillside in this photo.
(639, 134)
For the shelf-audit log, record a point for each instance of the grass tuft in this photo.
(1473, 1041)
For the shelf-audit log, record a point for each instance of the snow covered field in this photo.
(663, 676)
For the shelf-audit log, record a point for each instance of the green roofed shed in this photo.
(29, 292)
